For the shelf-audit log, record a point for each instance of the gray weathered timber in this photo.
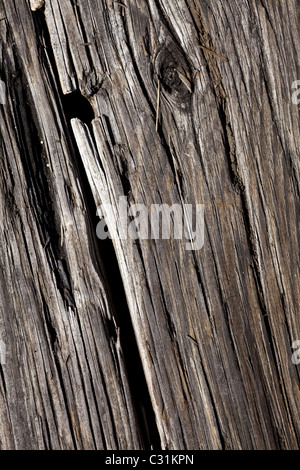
(165, 102)
(63, 384)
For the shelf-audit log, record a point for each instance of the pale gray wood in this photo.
(214, 327)
(63, 385)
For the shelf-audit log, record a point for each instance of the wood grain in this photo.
(165, 102)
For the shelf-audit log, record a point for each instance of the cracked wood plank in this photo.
(64, 383)
(214, 327)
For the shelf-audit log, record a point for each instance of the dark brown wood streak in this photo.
(142, 344)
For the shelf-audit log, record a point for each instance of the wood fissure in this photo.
(144, 343)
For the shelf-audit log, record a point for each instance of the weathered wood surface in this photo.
(214, 327)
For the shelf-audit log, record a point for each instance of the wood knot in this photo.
(173, 72)
(91, 83)
(171, 78)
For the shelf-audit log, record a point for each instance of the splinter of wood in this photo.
(144, 47)
(36, 4)
(213, 53)
(157, 105)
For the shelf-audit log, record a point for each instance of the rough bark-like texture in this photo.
(164, 101)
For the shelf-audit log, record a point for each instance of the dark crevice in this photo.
(3, 379)
(103, 255)
(178, 176)
(133, 364)
(109, 130)
(124, 177)
(229, 145)
(63, 282)
(75, 105)
(200, 282)
(48, 324)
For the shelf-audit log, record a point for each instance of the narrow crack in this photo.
(76, 105)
